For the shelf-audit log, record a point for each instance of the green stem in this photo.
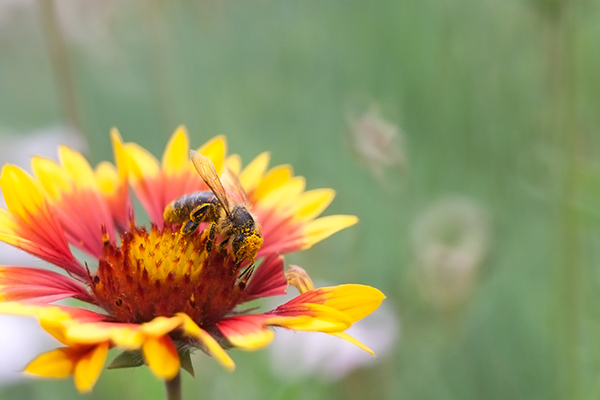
(174, 388)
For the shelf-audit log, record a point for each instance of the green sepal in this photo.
(186, 361)
(127, 359)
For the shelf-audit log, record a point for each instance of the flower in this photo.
(152, 291)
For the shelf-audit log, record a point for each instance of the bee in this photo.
(227, 212)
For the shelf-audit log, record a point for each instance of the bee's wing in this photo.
(235, 190)
(209, 175)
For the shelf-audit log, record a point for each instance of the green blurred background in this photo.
(463, 133)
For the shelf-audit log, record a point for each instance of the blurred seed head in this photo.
(377, 142)
(450, 242)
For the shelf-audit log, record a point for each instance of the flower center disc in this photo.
(161, 273)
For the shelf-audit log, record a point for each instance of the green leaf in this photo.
(127, 359)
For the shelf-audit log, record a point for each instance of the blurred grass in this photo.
(480, 89)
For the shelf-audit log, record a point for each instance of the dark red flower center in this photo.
(161, 273)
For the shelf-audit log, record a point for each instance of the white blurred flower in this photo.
(450, 242)
(21, 340)
(295, 355)
(18, 148)
(9, 9)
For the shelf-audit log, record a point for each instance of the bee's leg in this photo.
(222, 246)
(211, 237)
(245, 276)
(197, 216)
(189, 227)
(236, 266)
(200, 213)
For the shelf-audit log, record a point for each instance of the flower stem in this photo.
(59, 56)
(174, 388)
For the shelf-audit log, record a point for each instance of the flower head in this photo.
(158, 291)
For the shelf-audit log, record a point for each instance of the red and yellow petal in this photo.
(286, 212)
(175, 157)
(274, 179)
(157, 185)
(268, 279)
(33, 285)
(89, 366)
(191, 329)
(284, 198)
(30, 223)
(248, 332)
(312, 203)
(152, 337)
(73, 190)
(128, 336)
(161, 355)
(53, 318)
(354, 341)
(58, 363)
(251, 176)
(320, 229)
(84, 363)
(233, 163)
(51, 312)
(113, 182)
(328, 309)
(145, 178)
(311, 317)
(178, 176)
(355, 301)
(215, 150)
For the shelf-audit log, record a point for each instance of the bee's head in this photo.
(246, 245)
(241, 218)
